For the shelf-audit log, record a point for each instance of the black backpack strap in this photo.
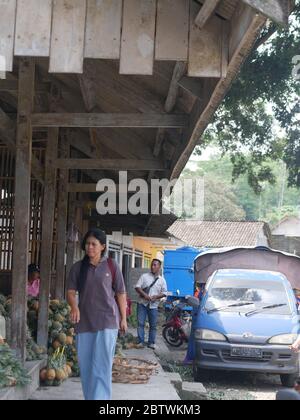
(155, 281)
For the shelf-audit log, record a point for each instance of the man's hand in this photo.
(75, 315)
(123, 326)
(157, 297)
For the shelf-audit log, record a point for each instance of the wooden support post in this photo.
(71, 224)
(276, 10)
(206, 12)
(179, 71)
(22, 207)
(61, 224)
(8, 137)
(48, 214)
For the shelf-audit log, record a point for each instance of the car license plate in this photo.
(246, 352)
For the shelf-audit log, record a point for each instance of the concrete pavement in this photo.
(158, 388)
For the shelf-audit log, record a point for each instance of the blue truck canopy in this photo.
(179, 270)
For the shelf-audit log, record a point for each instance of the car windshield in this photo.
(226, 293)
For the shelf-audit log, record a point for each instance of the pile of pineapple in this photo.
(57, 369)
(62, 355)
(5, 306)
(61, 334)
(33, 351)
(12, 373)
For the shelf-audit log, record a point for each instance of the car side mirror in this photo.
(193, 301)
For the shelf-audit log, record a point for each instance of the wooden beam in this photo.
(172, 30)
(124, 146)
(160, 137)
(68, 34)
(88, 92)
(111, 164)
(207, 10)
(276, 10)
(61, 223)
(22, 207)
(7, 131)
(90, 188)
(8, 136)
(12, 86)
(138, 37)
(100, 140)
(139, 99)
(110, 120)
(71, 225)
(193, 85)
(179, 71)
(208, 47)
(133, 92)
(7, 34)
(81, 188)
(103, 29)
(203, 112)
(10, 99)
(158, 142)
(241, 22)
(33, 28)
(48, 213)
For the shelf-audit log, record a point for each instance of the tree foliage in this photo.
(259, 119)
(225, 200)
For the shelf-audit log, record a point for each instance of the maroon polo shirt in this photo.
(97, 304)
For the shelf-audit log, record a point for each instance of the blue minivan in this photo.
(247, 319)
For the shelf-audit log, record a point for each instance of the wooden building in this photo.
(89, 88)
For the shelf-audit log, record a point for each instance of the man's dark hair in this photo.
(156, 259)
(297, 382)
(33, 268)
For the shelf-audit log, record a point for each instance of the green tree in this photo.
(237, 197)
(258, 121)
(221, 203)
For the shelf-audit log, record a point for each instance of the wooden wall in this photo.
(7, 173)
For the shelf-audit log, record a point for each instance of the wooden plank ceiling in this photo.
(68, 31)
(130, 87)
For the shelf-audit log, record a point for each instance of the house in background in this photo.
(286, 235)
(221, 234)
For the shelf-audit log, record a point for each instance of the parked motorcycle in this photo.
(177, 329)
